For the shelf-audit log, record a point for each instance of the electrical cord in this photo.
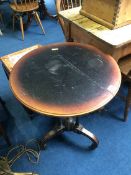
(15, 153)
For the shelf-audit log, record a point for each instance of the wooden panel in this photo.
(112, 14)
(114, 37)
(82, 36)
(97, 8)
(124, 16)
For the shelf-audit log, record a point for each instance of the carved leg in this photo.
(128, 103)
(81, 130)
(51, 134)
(69, 124)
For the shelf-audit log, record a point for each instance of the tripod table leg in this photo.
(51, 134)
(81, 130)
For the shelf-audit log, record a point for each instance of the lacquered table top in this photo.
(65, 79)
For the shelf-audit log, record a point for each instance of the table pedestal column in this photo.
(69, 124)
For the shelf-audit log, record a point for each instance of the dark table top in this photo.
(66, 79)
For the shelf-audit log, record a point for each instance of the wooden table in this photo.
(66, 81)
(115, 42)
(8, 61)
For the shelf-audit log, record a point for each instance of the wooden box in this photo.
(110, 13)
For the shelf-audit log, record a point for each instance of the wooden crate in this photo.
(110, 13)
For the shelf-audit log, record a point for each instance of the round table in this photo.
(65, 80)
